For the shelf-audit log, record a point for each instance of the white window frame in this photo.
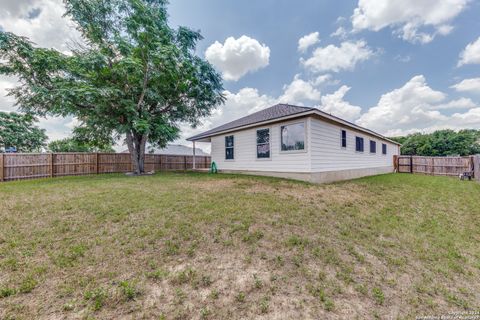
(305, 135)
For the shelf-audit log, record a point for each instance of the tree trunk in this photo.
(136, 146)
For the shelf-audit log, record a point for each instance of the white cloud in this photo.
(325, 79)
(461, 103)
(408, 106)
(333, 58)
(6, 102)
(335, 104)
(307, 41)
(237, 57)
(237, 105)
(340, 33)
(471, 54)
(408, 17)
(401, 58)
(468, 85)
(417, 107)
(299, 91)
(41, 21)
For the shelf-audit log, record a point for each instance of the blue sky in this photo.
(279, 25)
(394, 66)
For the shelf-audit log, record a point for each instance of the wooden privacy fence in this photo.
(437, 166)
(16, 166)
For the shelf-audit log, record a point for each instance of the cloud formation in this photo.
(335, 59)
(413, 20)
(237, 57)
(307, 41)
(468, 85)
(41, 21)
(471, 54)
(300, 91)
(416, 107)
(335, 104)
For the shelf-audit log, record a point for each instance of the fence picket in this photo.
(17, 166)
(437, 166)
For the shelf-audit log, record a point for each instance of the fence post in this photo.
(411, 164)
(476, 167)
(2, 166)
(50, 164)
(185, 163)
(96, 162)
(194, 163)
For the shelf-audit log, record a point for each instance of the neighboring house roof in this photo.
(174, 149)
(276, 113)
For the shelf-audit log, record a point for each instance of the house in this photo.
(300, 143)
(174, 149)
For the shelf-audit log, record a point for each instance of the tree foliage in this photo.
(75, 145)
(441, 143)
(19, 131)
(134, 77)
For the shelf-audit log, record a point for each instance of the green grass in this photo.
(175, 246)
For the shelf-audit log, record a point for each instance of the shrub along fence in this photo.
(438, 166)
(16, 166)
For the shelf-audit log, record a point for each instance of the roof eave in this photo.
(255, 124)
(296, 115)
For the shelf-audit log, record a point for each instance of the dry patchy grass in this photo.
(198, 246)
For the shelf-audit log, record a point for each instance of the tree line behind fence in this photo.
(16, 166)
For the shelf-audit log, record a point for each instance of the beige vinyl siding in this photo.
(328, 154)
(245, 151)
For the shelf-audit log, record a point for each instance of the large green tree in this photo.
(441, 143)
(134, 76)
(19, 131)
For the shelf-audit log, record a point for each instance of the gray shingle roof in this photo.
(277, 111)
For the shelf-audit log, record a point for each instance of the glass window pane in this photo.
(359, 144)
(229, 141)
(293, 137)
(229, 153)
(263, 151)
(373, 146)
(263, 136)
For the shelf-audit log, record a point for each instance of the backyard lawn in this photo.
(183, 246)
